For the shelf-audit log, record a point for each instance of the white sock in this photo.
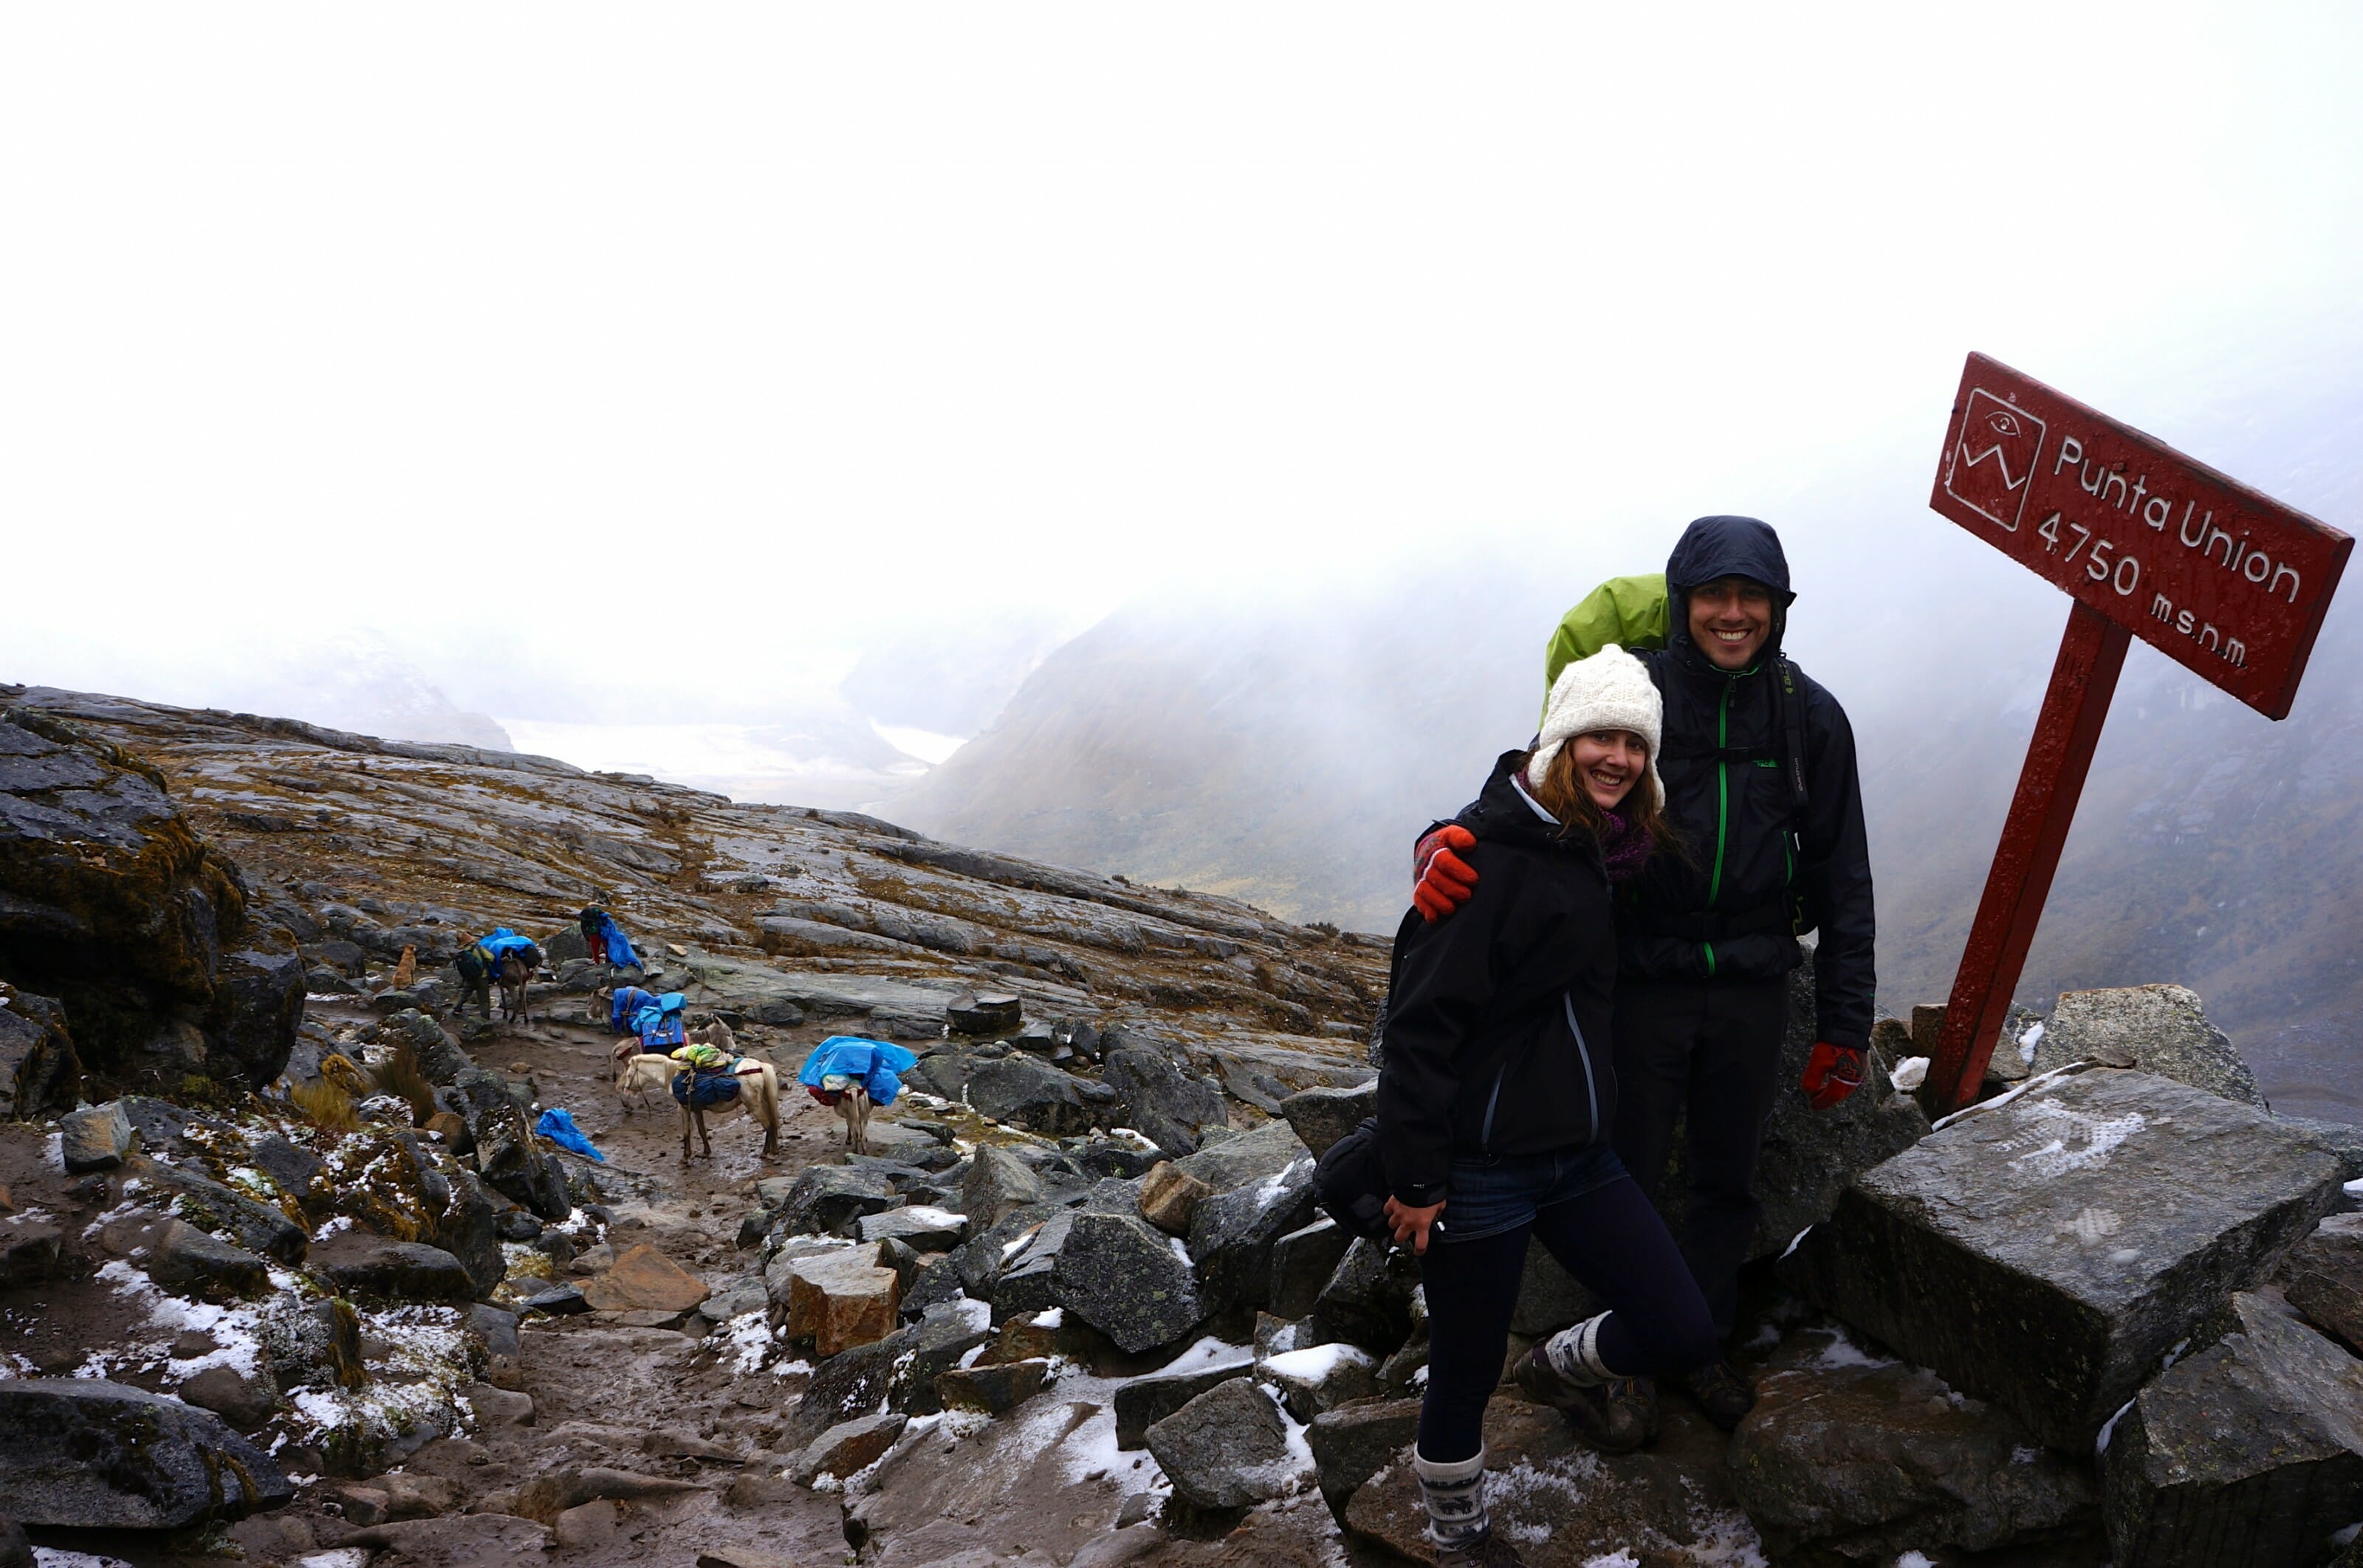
(1575, 1353)
(1454, 1497)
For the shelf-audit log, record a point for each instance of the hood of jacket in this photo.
(1713, 547)
(1504, 813)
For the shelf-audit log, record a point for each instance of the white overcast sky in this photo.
(734, 339)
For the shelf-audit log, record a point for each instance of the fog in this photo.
(803, 373)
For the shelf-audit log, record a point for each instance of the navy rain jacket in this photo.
(1497, 1020)
(1733, 906)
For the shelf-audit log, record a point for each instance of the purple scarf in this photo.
(1623, 846)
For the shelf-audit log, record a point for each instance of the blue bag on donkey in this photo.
(704, 1087)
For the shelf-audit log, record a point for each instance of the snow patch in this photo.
(1842, 1352)
(1316, 1364)
(1797, 1241)
(1048, 1318)
(2108, 1428)
(1909, 1073)
(2029, 1041)
(2041, 1081)
(2080, 1142)
(749, 1339)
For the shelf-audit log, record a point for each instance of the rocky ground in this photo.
(287, 1276)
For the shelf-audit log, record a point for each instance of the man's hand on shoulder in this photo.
(1441, 881)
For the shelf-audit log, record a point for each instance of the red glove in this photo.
(1442, 881)
(1832, 1073)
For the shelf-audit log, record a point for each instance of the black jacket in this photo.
(1732, 907)
(1497, 1020)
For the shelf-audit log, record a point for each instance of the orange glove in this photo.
(1442, 881)
(1832, 1073)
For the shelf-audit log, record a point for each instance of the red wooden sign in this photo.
(2217, 577)
(2151, 545)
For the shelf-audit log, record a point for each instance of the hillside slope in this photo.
(795, 915)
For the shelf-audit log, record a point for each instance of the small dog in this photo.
(405, 969)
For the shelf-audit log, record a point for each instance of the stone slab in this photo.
(2048, 1252)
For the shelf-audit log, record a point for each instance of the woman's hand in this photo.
(1412, 1224)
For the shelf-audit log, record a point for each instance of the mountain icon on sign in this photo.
(1992, 458)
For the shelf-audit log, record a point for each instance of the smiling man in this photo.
(1759, 774)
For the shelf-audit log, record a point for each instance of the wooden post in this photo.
(2084, 678)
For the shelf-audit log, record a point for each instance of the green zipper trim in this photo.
(1722, 799)
(1708, 948)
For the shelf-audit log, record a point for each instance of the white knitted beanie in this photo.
(1609, 690)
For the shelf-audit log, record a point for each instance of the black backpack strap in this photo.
(1792, 728)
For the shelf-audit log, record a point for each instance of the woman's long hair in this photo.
(1560, 789)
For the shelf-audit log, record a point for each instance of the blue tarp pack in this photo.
(874, 1062)
(557, 1126)
(501, 941)
(625, 1007)
(660, 1022)
(619, 948)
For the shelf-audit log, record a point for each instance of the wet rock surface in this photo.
(1226, 1449)
(2115, 1208)
(2247, 1452)
(1867, 1458)
(89, 1454)
(2159, 1029)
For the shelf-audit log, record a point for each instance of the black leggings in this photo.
(1611, 1240)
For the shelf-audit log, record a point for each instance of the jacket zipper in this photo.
(1722, 790)
(1583, 1055)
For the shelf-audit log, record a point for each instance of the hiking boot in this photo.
(1639, 1397)
(1608, 1424)
(1488, 1551)
(1722, 1393)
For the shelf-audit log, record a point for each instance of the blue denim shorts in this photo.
(1485, 1197)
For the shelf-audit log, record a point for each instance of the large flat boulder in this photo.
(2247, 1453)
(210, 1206)
(86, 1454)
(2048, 1252)
(643, 1279)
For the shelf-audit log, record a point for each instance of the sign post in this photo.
(2149, 543)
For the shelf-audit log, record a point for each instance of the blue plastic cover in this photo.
(619, 948)
(874, 1062)
(660, 1027)
(503, 941)
(557, 1126)
(627, 1005)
